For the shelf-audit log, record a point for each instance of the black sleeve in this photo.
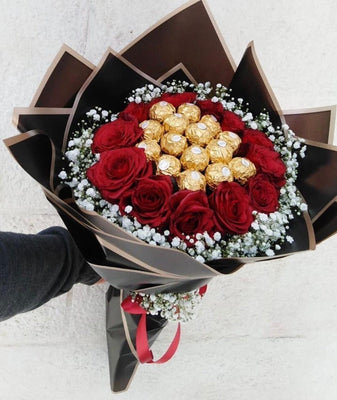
(36, 268)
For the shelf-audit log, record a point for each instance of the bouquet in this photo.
(166, 182)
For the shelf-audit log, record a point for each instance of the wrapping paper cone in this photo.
(121, 330)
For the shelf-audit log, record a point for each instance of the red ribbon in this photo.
(142, 344)
(203, 290)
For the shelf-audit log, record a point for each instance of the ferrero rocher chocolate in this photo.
(198, 133)
(176, 123)
(161, 110)
(153, 130)
(191, 112)
(211, 122)
(242, 169)
(191, 180)
(219, 151)
(173, 144)
(217, 173)
(168, 165)
(151, 148)
(194, 157)
(231, 138)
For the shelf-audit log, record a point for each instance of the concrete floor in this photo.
(267, 332)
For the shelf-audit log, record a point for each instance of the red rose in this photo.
(263, 194)
(150, 200)
(231, 205)
(176, 99)
(117, 171)
(139, 110)
(123, 132)
(267, 161)
(208, 107)
(232, 122)
(253, 136)
(190, 214)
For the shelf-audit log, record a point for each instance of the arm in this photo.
(36, 268)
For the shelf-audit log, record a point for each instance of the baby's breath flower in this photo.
(63, 175)
(128, 209)
(289, 239)
(217, 236)
(174, 307)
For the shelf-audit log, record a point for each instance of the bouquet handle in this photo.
(144, 354)
(121, 339)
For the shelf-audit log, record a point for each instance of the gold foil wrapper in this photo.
(191, 112)
(176, 123)
(194, 157)
(219, 151)
(168, 165)
(191, 180)
(161, 110)
(211, 122)
(173, 144)
(153, 130)
(242, 169)
(231, 138)
(151, 148)
(198, 133)
(217, 173)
